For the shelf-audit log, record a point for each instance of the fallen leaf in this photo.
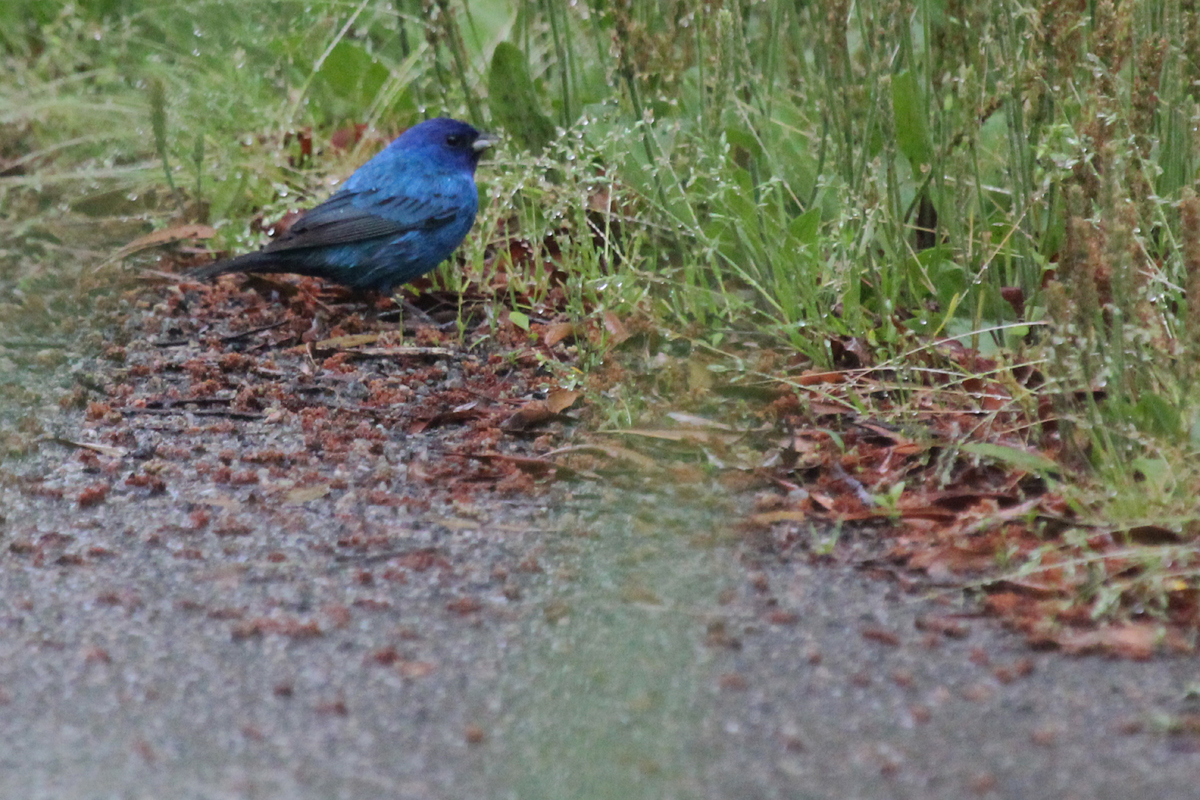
(557, 332)
(823, 408)
(1152, 535)
(693, 421)
(616, 329)
(771, 517)
(166, 236)
(612, 451)
(347, 342)
(531, 416)
(102, 449)
(878, 633)
(560, 400)
(945, 625)
(304, 494)
(698, 435)
(465, 605)
(1015, 297)
(814, 378)
(346, 137)
(1130, 640)
(401, 351)
(534, 466)
(463, 413)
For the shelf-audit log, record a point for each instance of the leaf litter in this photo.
(952, 467)
(949, 466)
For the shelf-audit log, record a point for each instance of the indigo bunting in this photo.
(396, 218)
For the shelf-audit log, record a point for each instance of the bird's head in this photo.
(447, 140)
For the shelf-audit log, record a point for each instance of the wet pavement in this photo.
(248, 597)
(587, 644)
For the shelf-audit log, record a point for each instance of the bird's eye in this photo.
(456, 140)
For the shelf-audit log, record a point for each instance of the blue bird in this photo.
(396, 218)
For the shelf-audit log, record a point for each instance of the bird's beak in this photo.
(484, 141)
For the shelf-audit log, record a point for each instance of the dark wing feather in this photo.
(371, 210)
(350, 217)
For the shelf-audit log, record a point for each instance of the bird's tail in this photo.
(257, 262)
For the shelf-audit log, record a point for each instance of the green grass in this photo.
(803, 171)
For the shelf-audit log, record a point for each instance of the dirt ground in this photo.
(256, 558)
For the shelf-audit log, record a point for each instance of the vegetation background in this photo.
(886, 175)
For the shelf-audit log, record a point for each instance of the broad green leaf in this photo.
(1155, 471)
(912, 132)
(514, 100)
(1158, 416)
(745, 145)
(806, 226)
(348, 81)
(519, 319)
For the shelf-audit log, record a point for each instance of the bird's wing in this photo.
(350, 217)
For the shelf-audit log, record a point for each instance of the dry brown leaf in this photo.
(557, 332)
(102, 449)
(945, 624)
(303, 494)
(463, 413)
(943, 562)
(534, 466)
(400, 351)
(171, 235)
(347, 342)
(680, 435)
(880, 634)
(616, 329)
(771, 517)
(1007, 604)
(898, 439)
(693, 421)
(927, 512)
(618, 453)
(532, 415)
(1130, 640)
(560, 400)
(814, 378)
(1153, 535)
(821, 499)
(1028, 587)
(609, 450)
(829, 409)
(415, 669)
